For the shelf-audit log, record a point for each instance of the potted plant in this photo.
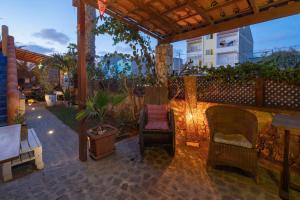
(102, 137)
(20, 119)
(50, 97)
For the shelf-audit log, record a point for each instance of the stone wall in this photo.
(163, 62)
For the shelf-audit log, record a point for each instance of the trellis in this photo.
(259, 92)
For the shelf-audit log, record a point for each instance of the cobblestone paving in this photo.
(123, 175)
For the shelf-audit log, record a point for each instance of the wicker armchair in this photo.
(233, 136)
(164, 132)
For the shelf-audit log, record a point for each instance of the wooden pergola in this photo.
(28, 56)
(174, 20)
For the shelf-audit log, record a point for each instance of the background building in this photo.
(224, 48)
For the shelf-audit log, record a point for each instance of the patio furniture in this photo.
(233, 136)
(16, 152)
(287, 123)
(10, 137)
(156, 123)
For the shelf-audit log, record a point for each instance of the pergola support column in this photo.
(163, 62)
(82, 77)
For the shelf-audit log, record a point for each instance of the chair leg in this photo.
(172, 150)
(142, 148)
(7, 171)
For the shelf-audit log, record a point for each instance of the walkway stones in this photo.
(123, 175)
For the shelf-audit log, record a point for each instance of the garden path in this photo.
(123, 175)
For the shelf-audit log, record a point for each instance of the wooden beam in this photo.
(129, 22)
(134, 25)
(4, 40)
(176, 8)
(82, 76)
(200, 11)
(220, 5)
(162, 19)
(262, 16)
(253, 6)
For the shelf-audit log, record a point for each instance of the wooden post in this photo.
(285, 175)
(4, 40)
(259, 92)
(82, 77)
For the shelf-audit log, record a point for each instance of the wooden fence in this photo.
(259, 92)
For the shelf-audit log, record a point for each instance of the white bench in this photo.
(30, 149)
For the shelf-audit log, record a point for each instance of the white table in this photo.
(10, 140)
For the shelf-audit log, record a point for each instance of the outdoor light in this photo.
(50, 132)
(39, 117)
(33, 108)
(40, 66)
(102, 7)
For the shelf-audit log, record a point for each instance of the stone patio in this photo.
(123, 175)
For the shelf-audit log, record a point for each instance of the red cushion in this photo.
(157, 125)
(156, 113)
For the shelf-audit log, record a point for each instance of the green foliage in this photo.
(99, 105)
(42, 77)
(249, 71)
(19, 118)
(283, 59)
(67, 95)
(142, 53)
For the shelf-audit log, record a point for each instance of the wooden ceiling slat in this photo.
(200, 11)
(253, 6)
(262, 16)
(173, 20)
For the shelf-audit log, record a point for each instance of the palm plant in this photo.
(64, 62)
(98, 106)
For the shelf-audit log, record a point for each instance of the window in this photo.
(209, 52)
(210, 36)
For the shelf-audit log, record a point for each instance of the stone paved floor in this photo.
(122, 175)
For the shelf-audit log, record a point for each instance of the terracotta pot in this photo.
(102, 145)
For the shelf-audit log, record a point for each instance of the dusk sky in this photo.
(49, 26)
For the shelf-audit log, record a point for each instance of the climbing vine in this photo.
(142, 53)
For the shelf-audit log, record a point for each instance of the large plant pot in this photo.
(51, 99)
(102, 145)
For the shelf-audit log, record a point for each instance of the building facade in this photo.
(224, 48)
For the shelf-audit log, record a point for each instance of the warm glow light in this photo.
(102, 7)
(189, 116)
(50, 132)
(39, 117)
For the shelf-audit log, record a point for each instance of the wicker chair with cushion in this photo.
(156, 123)
(233, 136)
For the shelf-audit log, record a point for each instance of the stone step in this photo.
(3, 97)
(2, 103)
(3, 110)
(3, 118)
